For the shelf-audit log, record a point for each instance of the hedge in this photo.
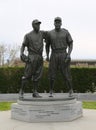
(83, 79)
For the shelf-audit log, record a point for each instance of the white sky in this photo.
(78, 16)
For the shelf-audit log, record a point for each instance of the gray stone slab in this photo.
(87, 122)
(47, 110)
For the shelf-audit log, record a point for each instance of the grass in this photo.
(4, 106)
(89, 105)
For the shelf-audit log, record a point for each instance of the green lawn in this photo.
(89, 105)
(7, 105)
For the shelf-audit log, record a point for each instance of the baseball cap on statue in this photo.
(36, 21)
(58, 19)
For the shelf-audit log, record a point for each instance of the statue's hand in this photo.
(24, 58)
(67, 59)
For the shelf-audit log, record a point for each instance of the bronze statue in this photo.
(60, 40)
(34, 61)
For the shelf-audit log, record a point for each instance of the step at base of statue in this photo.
(47, 109)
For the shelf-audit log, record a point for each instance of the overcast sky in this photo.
(78, 16)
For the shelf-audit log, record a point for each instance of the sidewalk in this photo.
(87, 122)
(79, 96)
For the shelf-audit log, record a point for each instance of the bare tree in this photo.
(2, 54)
(8, 54)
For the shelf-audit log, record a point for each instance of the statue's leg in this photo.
(69, 80)
(35, 87)
(37, 73)
(65, 70)
(23, 83)
(51, 87)
(25, 78)
(69, 84)
(52, 72)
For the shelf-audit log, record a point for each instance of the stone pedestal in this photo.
(47, 109)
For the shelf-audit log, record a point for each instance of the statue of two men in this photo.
(61, 43)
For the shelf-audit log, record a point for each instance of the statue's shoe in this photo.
(51, 94)
(36, 95)
(21, 96)
(70, 93)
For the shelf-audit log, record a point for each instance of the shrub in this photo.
(83, 79)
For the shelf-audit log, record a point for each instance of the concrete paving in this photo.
(79, 96)
(87, 122)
